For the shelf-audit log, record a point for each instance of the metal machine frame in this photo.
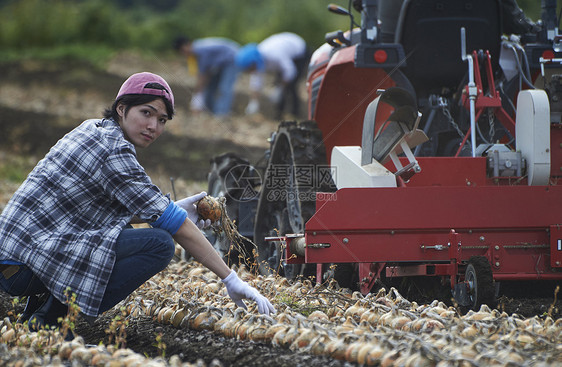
(451, 210)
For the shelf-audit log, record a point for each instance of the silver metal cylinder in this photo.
(297, 246)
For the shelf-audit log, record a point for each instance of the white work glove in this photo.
(189, 205)
(252, 107)
(197, 102)
(238, 290)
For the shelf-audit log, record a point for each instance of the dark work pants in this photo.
(140, 254)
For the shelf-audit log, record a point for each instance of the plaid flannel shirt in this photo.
(65, 218)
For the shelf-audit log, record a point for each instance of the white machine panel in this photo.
(532, 131)
(346, 160)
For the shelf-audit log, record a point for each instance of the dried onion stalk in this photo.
(215, 209)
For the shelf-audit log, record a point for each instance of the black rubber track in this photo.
(294, 173)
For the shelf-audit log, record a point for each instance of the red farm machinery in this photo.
(432, 150)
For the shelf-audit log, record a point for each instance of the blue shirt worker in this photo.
(215, 61)
(286, 56)
(68, 224)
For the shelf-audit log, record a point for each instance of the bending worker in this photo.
(286, 56)
(214, 61)
(67, 225)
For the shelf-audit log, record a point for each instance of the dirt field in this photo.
(41, 102)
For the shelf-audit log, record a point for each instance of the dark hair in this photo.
(130, 100)
(180, 41)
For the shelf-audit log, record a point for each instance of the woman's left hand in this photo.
(190, 206)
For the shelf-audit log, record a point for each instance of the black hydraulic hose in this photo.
(526, 61)
(522, 76)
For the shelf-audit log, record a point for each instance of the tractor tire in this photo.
(287, 197)
(478, 276)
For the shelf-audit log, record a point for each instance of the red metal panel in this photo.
(412, 246)
(508, 225)
(522, 257)
(556, 150)
(437, 208)
(447, 171)
(375, 247)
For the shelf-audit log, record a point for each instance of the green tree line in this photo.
(153, 24)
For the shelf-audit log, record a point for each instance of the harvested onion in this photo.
(210, 208)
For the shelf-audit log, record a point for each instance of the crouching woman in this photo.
(67, 226)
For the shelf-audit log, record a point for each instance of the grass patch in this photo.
(297, 303)
(97, 55)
